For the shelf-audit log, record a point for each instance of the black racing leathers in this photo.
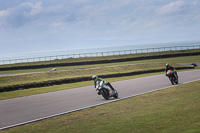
(171, 68)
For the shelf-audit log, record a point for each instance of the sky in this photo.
(45, 25)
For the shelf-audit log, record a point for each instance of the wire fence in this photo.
(98, 54)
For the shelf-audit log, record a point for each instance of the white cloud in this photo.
(4, 13)
(21, 14)
(56, 24)
(197, 17)
(35, 7)
(81, 1)
(100, 20)
(172, 8)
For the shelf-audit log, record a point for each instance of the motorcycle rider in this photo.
(168, 67)
(97, 82)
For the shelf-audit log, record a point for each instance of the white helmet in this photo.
(94, 77)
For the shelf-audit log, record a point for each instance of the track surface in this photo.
(23, 110)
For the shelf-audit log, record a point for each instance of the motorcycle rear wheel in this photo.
(116, 94)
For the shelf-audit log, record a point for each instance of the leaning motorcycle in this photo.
(172, 76)
(104, 91)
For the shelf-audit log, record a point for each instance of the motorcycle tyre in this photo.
(105, 94)
(172, 80)
(116, 94)
(176, 81)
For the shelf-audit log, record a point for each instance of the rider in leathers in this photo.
(97, 82)
(168, 67)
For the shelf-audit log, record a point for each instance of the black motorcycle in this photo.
(172, 76)
(104, 91)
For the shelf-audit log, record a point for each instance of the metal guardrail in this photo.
(98, 54)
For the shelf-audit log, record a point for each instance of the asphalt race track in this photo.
(17, 111)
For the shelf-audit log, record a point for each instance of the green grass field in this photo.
(172, 110)
(176, 109)
(88, 70)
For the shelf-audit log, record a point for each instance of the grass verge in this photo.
(45, 76)
(89, 70)
(176, 109)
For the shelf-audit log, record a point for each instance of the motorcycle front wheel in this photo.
(172, 80)
(105, 94)
(176, 81)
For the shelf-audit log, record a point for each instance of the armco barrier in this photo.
(78, 79)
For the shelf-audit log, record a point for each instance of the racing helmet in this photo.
(94, 77)
(167, 64)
